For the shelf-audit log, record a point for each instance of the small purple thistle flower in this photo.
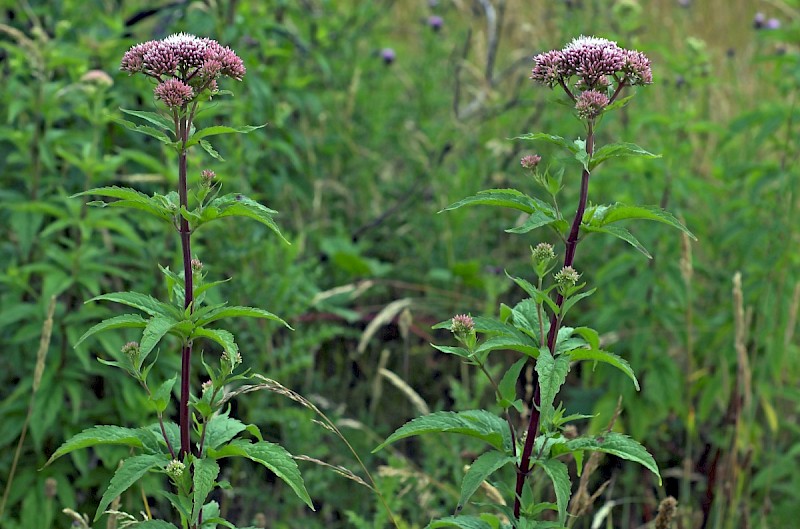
(174, 93)
(435, 22)
(388, 55)
(548, 70)
(462, 324)
(590, 104)
(759, 20)
(207, 177)
(530, 161)
(772, 23)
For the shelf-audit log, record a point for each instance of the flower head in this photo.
(530, 161)
(197, 266)
(175, 469)
(567, 277)
(207, 176)
(542, 252)
(435, 22)
(590, 104)
(462, 324)
(131, 350)
(174, 93)
(388, 55)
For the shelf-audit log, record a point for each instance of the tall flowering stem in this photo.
(186, 69)
(592, 72)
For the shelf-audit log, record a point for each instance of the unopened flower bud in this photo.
(131, 350)
(530, 161)
(435, 22)
(462, 324)
(197, 266)
(175, 469)
(542, 252)
(207, 177)
(591, 103)
(567, 277)
(50, 487)
(388, 55)
(207, 385)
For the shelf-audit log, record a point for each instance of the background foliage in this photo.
(358, 157)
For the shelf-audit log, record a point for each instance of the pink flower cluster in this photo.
(598, 64)
(184, 65)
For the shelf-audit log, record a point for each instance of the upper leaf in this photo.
(130, 198)
(143, 302)
(154, 118)
(551, 138)
(483, 467)
(605, 215)
(480, 424)
(619, 445)
(509, 198)
(274, 457)
(221, 429)
(598, 355)
(462, 522)
(130, 472)
(220, 129)
(237, 205)
(552, 375)
(618, 150)
(204, 472)
(117, 322)
(105, 435)
(558, 474)
(234, 312)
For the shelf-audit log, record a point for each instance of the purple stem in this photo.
(569, 258)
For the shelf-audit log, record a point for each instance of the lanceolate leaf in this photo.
(156, 329)
(461, 522)
(480, 424)
(483, 467)
(210, 150)
(156, 119)
(599, 355)
(558, 474)
(523, 344)
(508, 384)
(619, 150)
(105, 435)
(221, 336)
(140, 301)
(619, 233)
(221, 429)
(204, 472)
(130, 472)
(129, 198)
(117, 322)
(144, 129)
(213, 131)
(552, 375)
(272, 456)
(537, 219)
(510, 198)
(458, 351)
(618, 445)
(551, 138)
(234, 312)
(153, 524)
(161, 396)
(618, 212)
(236, 205)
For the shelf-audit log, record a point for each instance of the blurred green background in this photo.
(359, 155)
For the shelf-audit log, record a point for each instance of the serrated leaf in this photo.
(619, 211)
(220, 129)
(619, 150)
(558, 474)
(239, 312)
(552, 375)
(618, 445)
(161, 396)
(221, 336)
(103, 435)
(157, 327)
(509, 198)
(204, 472)
(523, 344)
(129, 198)
(550, 138)
(221, 429)
(537, 219)
(572, 300)
(137, 300)
(210, 150)
(508, 384)
(462, 522)
(117, 322)
(481, 469)
(130, 472)
(598, 355)
(479, 424)
(619, 233)
(153, 524)
(143, 129)
(173, 434)
(153, 117)
(237, 205)
(274, 457)
(457, 351)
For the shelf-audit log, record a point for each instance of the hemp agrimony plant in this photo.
(186, 69)
(593, 74)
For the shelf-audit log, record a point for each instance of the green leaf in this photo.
(129, 198)
(221, 429)
(481, 469)
(143, 302)
(552, 375)
(508, 385)
(572, 300)
(216, 130)
(156, 329)
(272, 456)
(537, 219)
(550, 138)
(143, 129)
(599, 355)
(173, 434)
(619, 233)
(153, 524)
(117, 322)
(618, 212)
(558, 474)
(480, 424)
(509, 198)
(238, 312)
(619, 150)
(523, 344)
(458, 351)
(130, 472)
(154, 118)
(205, 471)
(462, 522)
(237, 205)
(618, 445)
(221, 336)
(161, 396)
(104, 435)
(210, 150)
